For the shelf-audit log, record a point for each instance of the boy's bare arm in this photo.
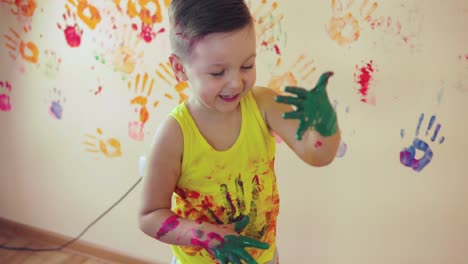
(158, 221)
(317, 146)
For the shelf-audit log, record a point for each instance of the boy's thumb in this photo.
(241, 224)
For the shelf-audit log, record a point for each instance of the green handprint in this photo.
(313, 108)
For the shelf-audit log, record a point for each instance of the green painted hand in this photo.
(313, 108)
(229, 248)
(232, 250)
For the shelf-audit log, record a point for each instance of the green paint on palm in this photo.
(313, 108)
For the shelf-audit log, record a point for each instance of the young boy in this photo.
(215, 152)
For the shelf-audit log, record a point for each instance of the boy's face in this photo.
(221, 69)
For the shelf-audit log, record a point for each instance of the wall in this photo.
(77, 78)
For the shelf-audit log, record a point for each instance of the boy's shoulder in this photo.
(264, 97)
(169, 134)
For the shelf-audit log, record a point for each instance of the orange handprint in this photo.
(168, 76)
(110, 148)
(299, 74)
(344, 28)
(141, 100)
(15, 44)
(23, 7)
(88, 13)
(268, 29)
(148, 11)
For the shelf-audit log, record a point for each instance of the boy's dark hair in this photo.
(191, 20)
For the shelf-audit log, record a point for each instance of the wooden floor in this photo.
(12, 239)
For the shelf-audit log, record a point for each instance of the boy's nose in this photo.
(237, 82)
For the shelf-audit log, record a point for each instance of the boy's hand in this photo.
(313, 108)
(232, 249)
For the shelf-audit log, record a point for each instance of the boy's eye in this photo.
(217, 73)
(247, 67)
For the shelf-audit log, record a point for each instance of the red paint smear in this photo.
(187, 193)
(318, 144)
(256, 181)
(277, 50)
(170, 224)
(264, 43)
(206, 243)
(134, 26)
(364, 79)
(98, 91)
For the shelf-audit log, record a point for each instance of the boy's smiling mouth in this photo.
(229, 98)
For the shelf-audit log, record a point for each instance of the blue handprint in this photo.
(408, 155)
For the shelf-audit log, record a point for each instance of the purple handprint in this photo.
(408, 155)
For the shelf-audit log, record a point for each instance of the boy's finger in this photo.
(250, 242)
(246, 257)
(241, 224)
(303, 126)
(301, 92)
(292, 115)
(234, 259)
(323, 81)
(289, 100)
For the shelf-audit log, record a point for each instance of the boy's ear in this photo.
(178, 68)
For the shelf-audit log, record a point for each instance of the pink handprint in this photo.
(5, 105)
(71, 29)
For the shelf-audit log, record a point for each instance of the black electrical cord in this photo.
(82, 232)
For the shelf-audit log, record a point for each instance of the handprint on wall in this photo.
(269, 33)
(164, 72)
(420, 146)
(88, 13)
(28, 50)
(126, 54)
(52, 64)
(97, 145)
(5, 90)
(56, 101)
(297, 74)
(23, 10)
(140, 102)
(149, 13)
(71, 30)
(344, 27)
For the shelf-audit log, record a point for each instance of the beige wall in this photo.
(366, 207)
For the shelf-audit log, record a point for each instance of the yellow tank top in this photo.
(221, 187)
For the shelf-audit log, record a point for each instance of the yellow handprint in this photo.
(83, 9)
(125, 54)
(344, 27)
(110, 148)
(168, 76)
